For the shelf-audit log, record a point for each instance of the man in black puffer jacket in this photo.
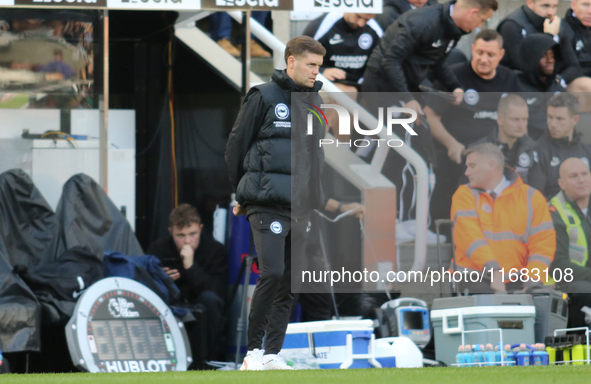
(262, 150)
(416, 45)
(538, 80)
(575, 30)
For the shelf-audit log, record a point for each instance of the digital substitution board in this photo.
(120, 325)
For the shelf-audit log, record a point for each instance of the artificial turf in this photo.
(493, 375)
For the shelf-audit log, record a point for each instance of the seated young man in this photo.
(198, 265)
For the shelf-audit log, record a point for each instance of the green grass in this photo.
(493, 375)
(15, 102)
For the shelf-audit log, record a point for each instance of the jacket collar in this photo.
(574, 21)
(514, 180)
(575, 206)
(286, 83)
(536, 20)
(564, 142)
(493, 137)
(449, 26)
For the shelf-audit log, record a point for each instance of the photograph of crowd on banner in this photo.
(46, 59)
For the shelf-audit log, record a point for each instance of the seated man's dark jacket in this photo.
(578, 37)
(561, 258)
(520, 157)
(549, 154)
(209, 271)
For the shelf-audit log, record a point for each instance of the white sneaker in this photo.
(275, 362)
(253, 361)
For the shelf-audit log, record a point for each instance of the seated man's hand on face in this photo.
(187, 253)
(173, 273)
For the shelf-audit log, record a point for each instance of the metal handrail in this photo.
(380, 155)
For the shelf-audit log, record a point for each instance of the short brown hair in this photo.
(483, 5)
(302, 44)
(510, 100)
(490, 35)
(487, 149)
(183, 216)
(565, 99)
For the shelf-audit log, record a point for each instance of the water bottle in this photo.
(478, 355)
(460, 357)
(509, 356)
(523, 355)
(489, 355)
(578, 354)
(537, 355)
(544, 354)
(468, 355)
(500, 355)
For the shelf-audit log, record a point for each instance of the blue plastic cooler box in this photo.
(327, 341)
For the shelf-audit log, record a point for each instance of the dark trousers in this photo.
(204, 332)
(214, 308)
(277, 239)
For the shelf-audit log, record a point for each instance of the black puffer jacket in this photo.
(412, 48)
(261, 148)
(578, 37)
(392, 10)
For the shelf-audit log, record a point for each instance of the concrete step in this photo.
(263, 67)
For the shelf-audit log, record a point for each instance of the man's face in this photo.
(560, 122)
(582, 9)
(473, 19)
(305, 68)
(547, 63)
(357, 20)
(417, 3)
(478, 168)
(543, 8)
(188, 235)
(575, 180)
(486, 56)
(513, 123)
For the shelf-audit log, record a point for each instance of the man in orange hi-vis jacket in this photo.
(502, 227)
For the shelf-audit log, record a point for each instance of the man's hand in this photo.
(173, 273)
(497, 282)
(239, 210)
(187, 253)
(458, 95)
(358, 212)
(552, 26)
(415, 106)
(333, 74)
(454, 152)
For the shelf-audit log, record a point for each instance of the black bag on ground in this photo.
(59, 283)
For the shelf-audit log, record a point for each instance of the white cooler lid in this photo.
(330, 326)
(492, 310)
